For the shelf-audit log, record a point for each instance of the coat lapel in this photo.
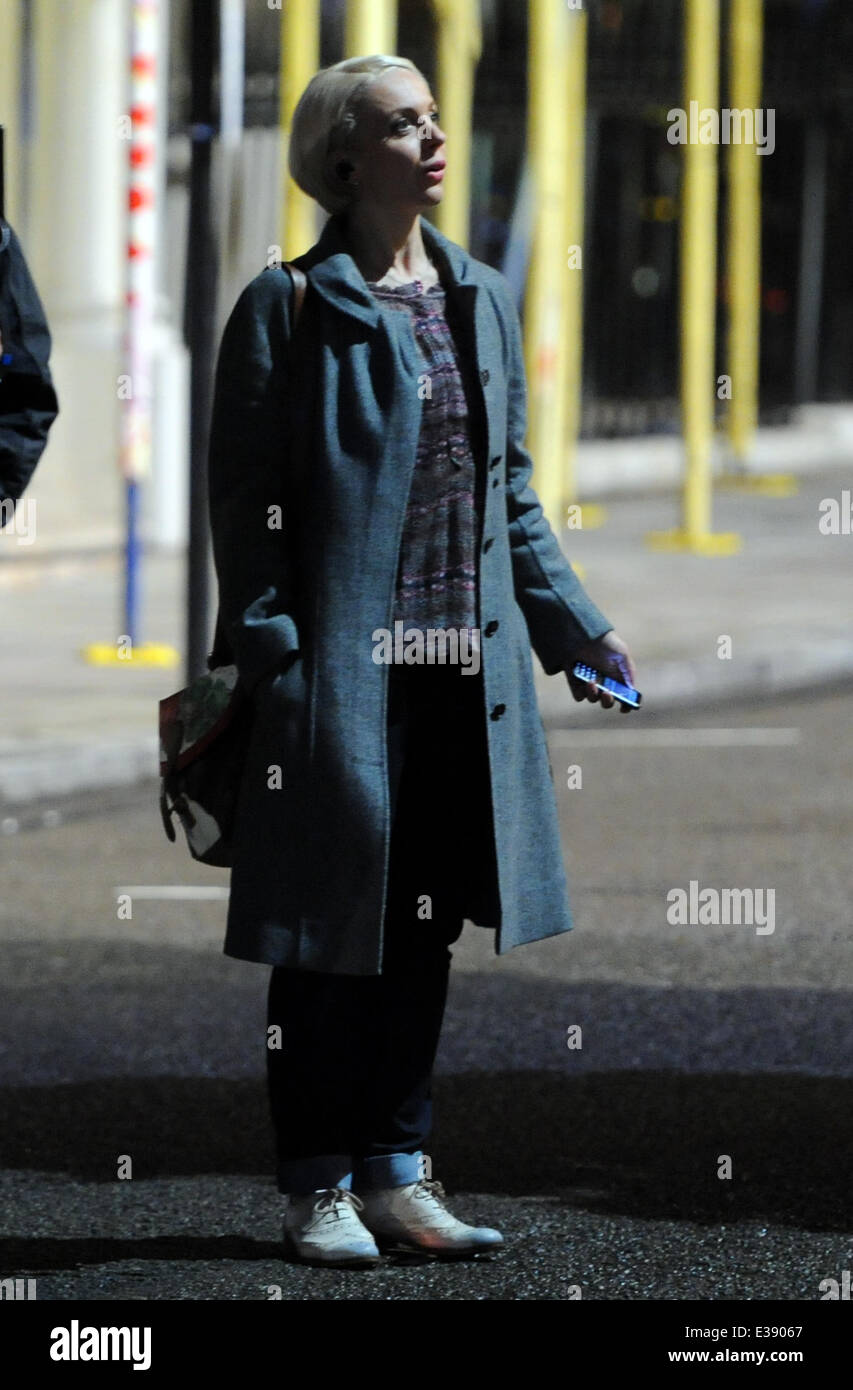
(334, 274)
(332, 271)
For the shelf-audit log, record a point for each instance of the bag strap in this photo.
(300, 284)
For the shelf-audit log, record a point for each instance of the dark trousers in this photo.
(350, 1087)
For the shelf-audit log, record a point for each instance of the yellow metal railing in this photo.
(300, 59)
(371, 27)
(459, 47)
(698, 257)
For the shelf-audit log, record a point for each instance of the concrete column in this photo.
(76, 252)
(10, 93)
(79, 160)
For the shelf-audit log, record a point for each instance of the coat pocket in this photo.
(282, 716)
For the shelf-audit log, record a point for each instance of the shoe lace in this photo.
(329, 1199)
(429, 1190)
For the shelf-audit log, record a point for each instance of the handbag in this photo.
(204, 737)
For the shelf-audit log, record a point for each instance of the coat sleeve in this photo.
(28, 401)
(247, 476)
(560, 615)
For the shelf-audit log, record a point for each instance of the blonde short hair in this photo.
(326, 116)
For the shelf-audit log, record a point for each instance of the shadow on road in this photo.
(635, 1143)
(669, 1080)
(46, 1254)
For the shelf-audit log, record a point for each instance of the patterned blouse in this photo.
(437, 575)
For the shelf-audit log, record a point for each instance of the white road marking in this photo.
(676, 738)
(183, 891)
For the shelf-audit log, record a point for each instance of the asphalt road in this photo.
(599, 1163)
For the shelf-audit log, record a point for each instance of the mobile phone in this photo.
(625, 694)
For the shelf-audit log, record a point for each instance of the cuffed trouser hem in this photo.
(386, 1170)
(302, 1175)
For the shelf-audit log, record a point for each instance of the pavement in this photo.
(600, 1163)
(784, 603)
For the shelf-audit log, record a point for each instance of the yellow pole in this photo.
(699, 268)
(547, 297)
(743, 256)
(459, 47)
(571, 336)
(300, 60)
(10, 70)
(371, 27)
(698, 254)
(744, 230)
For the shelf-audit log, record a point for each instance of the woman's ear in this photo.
(341, 170)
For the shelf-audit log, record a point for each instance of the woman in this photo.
(370, 497)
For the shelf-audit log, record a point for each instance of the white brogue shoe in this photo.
(415, 1218)
(323, 1227)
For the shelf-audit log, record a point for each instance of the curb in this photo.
(34, 773)
(695, 684)
(47, 768)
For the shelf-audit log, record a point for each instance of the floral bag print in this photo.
(204, 735)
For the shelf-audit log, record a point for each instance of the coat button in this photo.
(492, 627)
(494, 463)
(489, 542)
(496, 482)
(484, 376)
(498, 711)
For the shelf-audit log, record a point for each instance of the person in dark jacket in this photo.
(384, 567)
(28, 403)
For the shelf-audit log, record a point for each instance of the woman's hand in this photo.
(610, 656)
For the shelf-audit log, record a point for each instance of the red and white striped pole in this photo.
(141, 126)
(144, 159)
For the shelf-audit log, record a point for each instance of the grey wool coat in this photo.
(312, 449)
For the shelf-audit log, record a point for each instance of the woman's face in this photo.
(397, 152)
